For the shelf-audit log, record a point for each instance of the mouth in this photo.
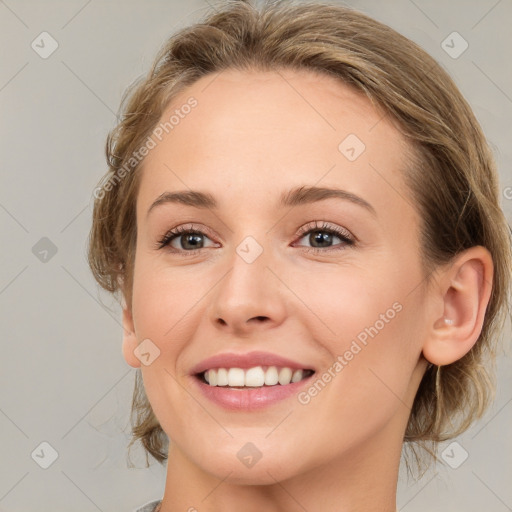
(251, 389)
(255, 377)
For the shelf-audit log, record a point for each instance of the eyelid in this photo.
(343, 234)
(325, 225)
(174, 233)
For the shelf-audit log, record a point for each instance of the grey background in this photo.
(63, 377)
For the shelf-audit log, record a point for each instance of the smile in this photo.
(256, 377)
(253, 394)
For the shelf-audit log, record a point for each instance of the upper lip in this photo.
(248, 360)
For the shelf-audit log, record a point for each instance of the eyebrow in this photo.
(294, 197)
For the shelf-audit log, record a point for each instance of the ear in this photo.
(464, 292)
(129, 337)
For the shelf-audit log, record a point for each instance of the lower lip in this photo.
(248, 399)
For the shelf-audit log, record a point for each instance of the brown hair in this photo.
(452, 176)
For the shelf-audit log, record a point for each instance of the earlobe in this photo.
(465, 290)
(129, 338)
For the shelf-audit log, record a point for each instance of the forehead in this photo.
(260, 133)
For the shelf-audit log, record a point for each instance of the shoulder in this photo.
(148, 507)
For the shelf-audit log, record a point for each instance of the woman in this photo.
(301, 215)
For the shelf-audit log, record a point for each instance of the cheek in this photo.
(342, 304)
(162, 310)
(368, 320)
(379, 359)
(369, 377)
(158, 313)
(161, 298)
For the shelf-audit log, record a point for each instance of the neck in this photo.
(364, 478)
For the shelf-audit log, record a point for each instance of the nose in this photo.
(248, 298)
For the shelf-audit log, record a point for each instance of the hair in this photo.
(451, 173)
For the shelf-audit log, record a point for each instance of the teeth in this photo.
(236, 376)
(254, 377)
(222, 377)
(297, 375)
(285, 376)
(271, 376)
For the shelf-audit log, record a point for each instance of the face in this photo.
(329, 280)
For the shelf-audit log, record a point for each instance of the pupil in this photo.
(188, 238)
(319, 237)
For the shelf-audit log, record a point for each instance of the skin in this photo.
(252, 136)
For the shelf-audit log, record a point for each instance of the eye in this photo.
(322, 236)
(188, 239)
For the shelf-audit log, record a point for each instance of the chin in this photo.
(243, 465)
(262, 473)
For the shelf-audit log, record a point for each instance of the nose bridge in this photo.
(249, 290)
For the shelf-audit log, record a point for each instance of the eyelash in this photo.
(308, 228)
